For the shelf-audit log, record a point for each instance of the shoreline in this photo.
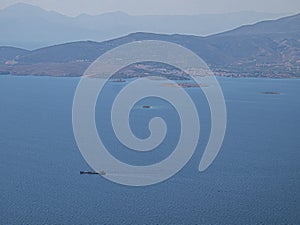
(184, 79)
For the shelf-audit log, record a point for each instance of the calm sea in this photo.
(254, 180)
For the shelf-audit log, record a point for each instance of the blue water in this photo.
(254, 180)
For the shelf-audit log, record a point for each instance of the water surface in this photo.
(255, 178)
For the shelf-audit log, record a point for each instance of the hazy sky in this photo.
(75, 7)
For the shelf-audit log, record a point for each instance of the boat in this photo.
(102, 172)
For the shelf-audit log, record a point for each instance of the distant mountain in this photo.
(265, 49)
(28, 26)
(269, 46)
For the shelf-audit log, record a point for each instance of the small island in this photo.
(270, 93)
(184, 85)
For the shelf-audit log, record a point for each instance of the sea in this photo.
(255, 178)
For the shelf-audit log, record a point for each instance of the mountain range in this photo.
(39, 28)
(265, 49)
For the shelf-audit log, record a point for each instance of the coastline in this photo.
(237, 76)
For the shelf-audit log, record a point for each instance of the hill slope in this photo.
(266, 49)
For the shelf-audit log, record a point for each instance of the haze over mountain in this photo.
(265, 49)
(27, 26)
